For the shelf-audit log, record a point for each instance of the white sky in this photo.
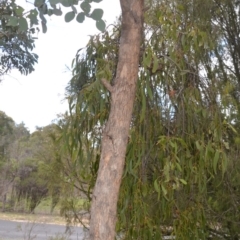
(36, 99)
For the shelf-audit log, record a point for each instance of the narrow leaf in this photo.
(164, 190)
(147, 60)
(74, 9)
(155, 64)
(224, 163)
(44, 8)
(143, 110)
(178, 167)
(42, 17)
(149, 90)
(215, 161)
(183, 181)
(44, 27)
(156, 186)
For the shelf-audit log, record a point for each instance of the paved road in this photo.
(12, 230)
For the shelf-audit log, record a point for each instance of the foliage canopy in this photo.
(16, 40)
(182, 151)
(181, 175)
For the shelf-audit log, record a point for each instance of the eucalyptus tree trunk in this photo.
(115, 134)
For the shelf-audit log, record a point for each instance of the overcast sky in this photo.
(36, 99)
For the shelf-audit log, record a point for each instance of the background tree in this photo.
(26, 167)
(6, 168)
(34, 178)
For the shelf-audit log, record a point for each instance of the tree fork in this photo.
(115, 135)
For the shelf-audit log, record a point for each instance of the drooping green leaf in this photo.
(149, 90)
(44, 8)
(42, 17)
(86, 7)
(74, 9)
(69, 16)
(23, 25)
(156, 186)
(183, 181)
(100, 25)
(44, 26)
(232, 128)
(12, 21)
(224, 163)
(144, 190)
(155, 64)
(81, 17)
(215, 161)
(143, 108)
(97, 14)
(178, 167)
(164, 189)
(147, 60)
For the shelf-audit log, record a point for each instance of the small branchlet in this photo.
(107, 85)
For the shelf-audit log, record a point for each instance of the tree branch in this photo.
(107, 85)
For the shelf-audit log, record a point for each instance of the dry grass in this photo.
(38, 218)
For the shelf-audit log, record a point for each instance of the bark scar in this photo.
(115, 152)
